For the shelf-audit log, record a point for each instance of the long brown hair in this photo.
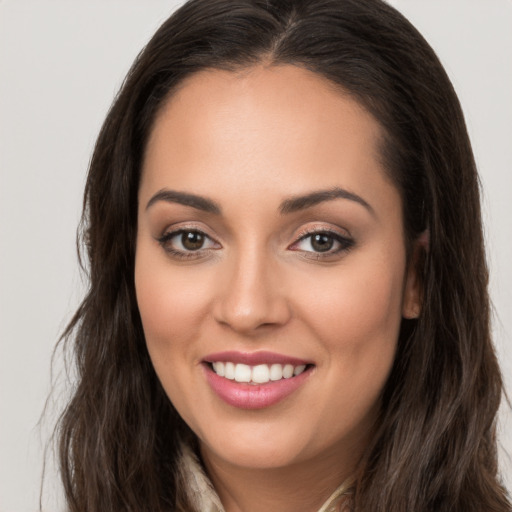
(435, 445)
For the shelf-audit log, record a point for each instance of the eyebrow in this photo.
(193, 200)
(290, 205)
(307, 201)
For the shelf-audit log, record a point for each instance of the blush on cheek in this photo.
(363, 311)
(170, 315)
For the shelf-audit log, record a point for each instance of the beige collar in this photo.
(202, 495)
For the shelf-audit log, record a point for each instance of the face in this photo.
(271, 272)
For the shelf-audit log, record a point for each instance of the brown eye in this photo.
(322, 242)
(192, 240)
(187, 243)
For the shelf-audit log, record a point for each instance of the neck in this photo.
(299, 487)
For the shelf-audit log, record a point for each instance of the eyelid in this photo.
(169, 235)
(346, 241)
(170, 232)
(322, 228)
(180, 227)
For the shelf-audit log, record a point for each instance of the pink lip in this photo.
(254, 358)
(253, 396)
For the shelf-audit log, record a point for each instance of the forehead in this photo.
(265, 129)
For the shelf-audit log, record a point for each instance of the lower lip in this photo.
(254, 396)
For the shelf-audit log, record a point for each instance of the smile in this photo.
(255, 380)
(260, 374)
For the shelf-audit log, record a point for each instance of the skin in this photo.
(249, 141)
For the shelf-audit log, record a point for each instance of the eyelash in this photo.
(165, 239)
(345, 243)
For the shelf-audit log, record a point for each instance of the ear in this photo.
(413, 287)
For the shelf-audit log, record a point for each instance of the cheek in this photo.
(172, 310)
(358, 324)
(169, 302)
(360, 305)
(357, 318)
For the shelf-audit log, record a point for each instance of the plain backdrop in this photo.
(61, 63)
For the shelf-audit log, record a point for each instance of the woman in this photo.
(288, 304)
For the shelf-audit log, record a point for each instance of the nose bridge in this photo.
(251, 293)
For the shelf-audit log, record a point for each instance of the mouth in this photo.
(255, 380)
(256, 375)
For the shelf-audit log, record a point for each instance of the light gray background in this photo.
(61, 62)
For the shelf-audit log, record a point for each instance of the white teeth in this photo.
(299, 369)
(276, 372)
(242, 373)
(259, 374)
(287, 371)
(229, 371)
(219, 368)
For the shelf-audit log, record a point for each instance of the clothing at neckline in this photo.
(204, 498)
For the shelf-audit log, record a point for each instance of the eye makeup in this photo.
(188, 243)
(322, 243)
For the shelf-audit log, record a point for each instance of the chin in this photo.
(259, 445)
(258, 454)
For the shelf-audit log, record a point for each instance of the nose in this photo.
(251, 295)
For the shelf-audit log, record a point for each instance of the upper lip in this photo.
(255, 358)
